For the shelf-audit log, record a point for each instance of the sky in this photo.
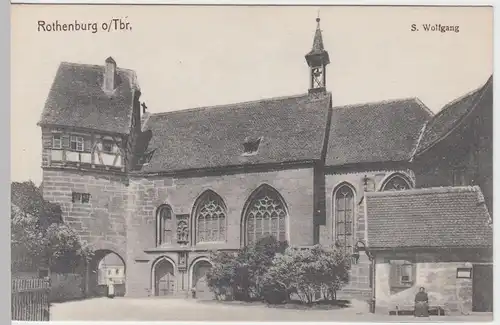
(190, 56)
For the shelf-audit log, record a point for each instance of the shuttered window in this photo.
(402, 274)
(76, 143)
(56, 141)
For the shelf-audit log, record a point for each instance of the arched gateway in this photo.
(104, 269)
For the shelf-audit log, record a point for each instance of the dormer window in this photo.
(251, 145)
(76, 143)
(56, 141)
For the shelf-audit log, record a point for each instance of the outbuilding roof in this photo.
(442, 217)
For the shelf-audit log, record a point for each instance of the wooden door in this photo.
(482, 288)
(200, 280)
(165, 279)
(165, 285)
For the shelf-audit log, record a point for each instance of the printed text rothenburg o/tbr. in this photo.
(114, 24)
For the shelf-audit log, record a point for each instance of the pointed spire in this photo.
(318, 39)
(318, 55)
(317, 60)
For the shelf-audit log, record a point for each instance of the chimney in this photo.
(110, 75)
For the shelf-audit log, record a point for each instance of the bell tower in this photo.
(317, 60)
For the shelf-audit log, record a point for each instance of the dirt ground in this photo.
(157, 309)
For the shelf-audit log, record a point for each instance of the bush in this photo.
(241, 274)
(274, 294)
(309, 271)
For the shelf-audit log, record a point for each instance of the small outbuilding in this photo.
(437, 238)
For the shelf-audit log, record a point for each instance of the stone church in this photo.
(162, 190)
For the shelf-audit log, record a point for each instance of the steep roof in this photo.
(77, 99)
(317, 46)
(291, 129)
(430, 217)
(451, 115)
(375, 132)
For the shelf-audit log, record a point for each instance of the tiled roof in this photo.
(429, 217)
(451, 115)
(77, 99)
(291, 129)
(375, 132)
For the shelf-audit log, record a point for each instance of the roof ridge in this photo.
(95, 66)
(427, 109)
(447, 106)
(201, 108)
(476, 95)
(417, 144)
(384, 101)
(427, 190)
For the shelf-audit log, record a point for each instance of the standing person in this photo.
(421, 303)
(111, 289)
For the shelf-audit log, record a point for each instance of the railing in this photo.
(30, 300)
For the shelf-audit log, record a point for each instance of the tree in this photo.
(38, 235)
(309, 271)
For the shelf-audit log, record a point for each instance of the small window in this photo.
(76, 143)
(80, 197)
(107, 146)
(459, 177)
(85, 197)
(464, 273)
(43, 273)
(402, 274)
(56, 141)
(117, 271)
(109, 272)
(251, 145)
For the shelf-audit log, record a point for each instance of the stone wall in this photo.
(102, 221)
(294, 185)
(437, 273)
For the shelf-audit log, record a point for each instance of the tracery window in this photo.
(165, 225)
(210, 218)
(344, 217)
(265, 216)
(396, 183)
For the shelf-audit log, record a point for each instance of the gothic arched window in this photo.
(344, 208)
(265, 215)
(396, 183)
(165, 225)
(210, 218)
